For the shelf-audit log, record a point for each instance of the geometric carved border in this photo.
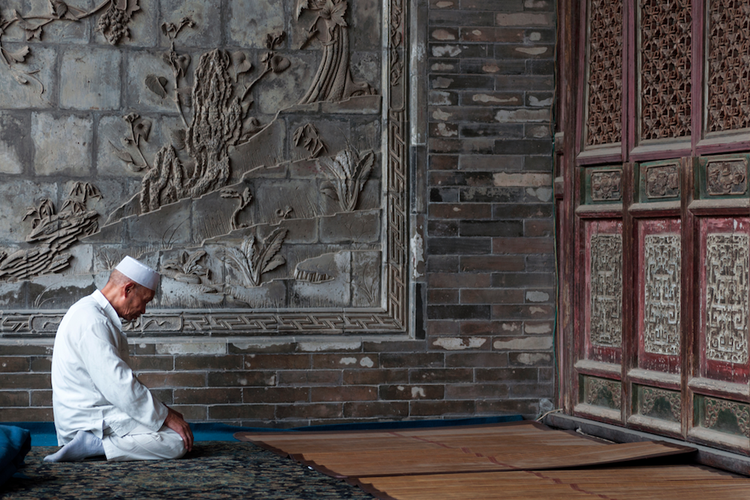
(392, 317)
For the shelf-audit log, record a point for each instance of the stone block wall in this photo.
(482, 281)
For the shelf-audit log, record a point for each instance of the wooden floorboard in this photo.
(508, 460)
(625, 483)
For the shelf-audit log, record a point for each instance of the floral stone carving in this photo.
(55, 232)
(347, 172)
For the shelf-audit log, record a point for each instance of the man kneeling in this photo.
(100, 407)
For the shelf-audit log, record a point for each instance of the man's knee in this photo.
(173, 445)
(162, 445)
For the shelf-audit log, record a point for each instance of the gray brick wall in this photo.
(485, 297)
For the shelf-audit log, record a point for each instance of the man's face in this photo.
(136, 298)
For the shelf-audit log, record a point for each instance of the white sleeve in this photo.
(115, 379)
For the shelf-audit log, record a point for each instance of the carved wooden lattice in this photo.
(665, 68)
(727, 297)
(728, 70)
(715, 407)
(604, 120)
(662, 294)
(606, 290)
(650, 396)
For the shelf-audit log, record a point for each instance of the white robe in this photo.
(93, 387)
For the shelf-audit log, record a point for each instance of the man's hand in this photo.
(175, 422)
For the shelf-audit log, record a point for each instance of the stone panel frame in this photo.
(397, 288)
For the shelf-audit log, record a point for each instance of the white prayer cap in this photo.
(143, 275)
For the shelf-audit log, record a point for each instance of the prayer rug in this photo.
(213, 470)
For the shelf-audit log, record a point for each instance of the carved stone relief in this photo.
(665, 68)
(606, 185)
(605, 278)
(604, 119)
(603, 392)
(727, 257)
(54, 232)
(726, 177)
(250, 238)
(662, 181)
(662, 265)
(728, 80)
(716, 410)
(112, 24)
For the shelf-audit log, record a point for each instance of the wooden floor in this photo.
(509, 460)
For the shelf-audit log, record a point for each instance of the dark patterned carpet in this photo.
(212, 470)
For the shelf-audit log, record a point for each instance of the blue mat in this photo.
(14, 445)
(43, 433)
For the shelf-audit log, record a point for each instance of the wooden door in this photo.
(654, 216)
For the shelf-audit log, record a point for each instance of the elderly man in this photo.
(100, 407)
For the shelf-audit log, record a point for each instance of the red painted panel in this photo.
(655, 352)
(724, 297)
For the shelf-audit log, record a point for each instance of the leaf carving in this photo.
(240, 63)
(337, 13)
(301, 5)
(123, 155)
(157, 85)
(18, 56)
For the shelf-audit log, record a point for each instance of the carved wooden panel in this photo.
(603, 185)
(605, 282)
(604, 100)
(727, 261)
(662, 265)
(721, 415)
(665, 69)
(659, 294)
(661, 181)
(658, 403)
(602, 392)
(726, 177)
(728, 76)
